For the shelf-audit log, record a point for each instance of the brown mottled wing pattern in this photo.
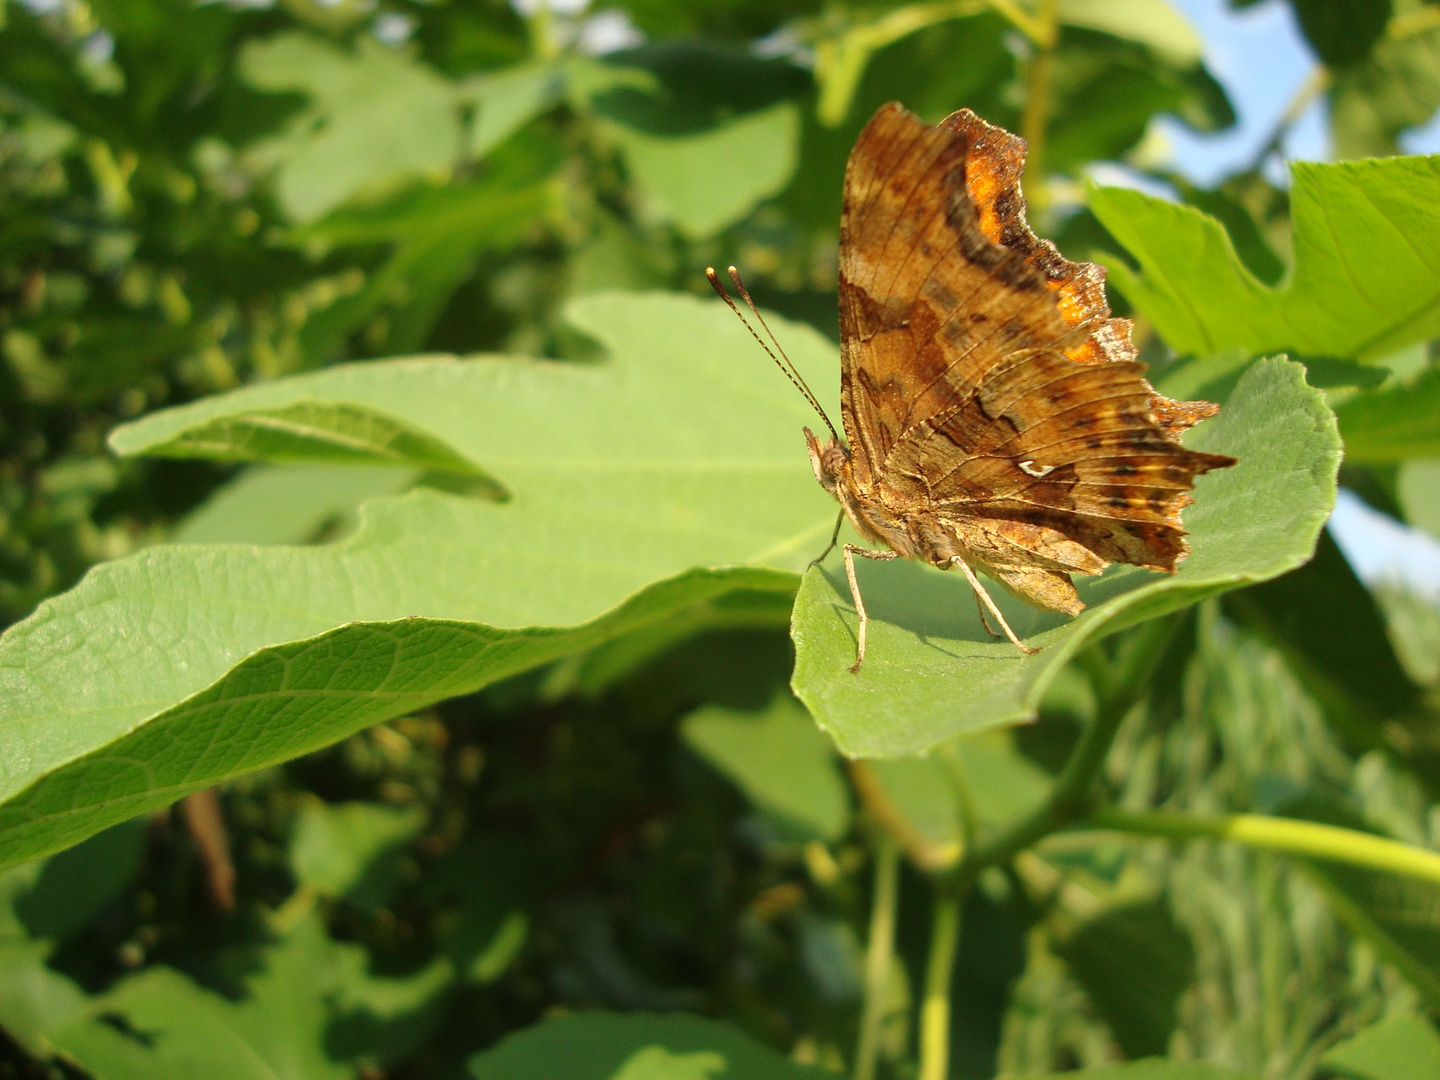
(984, 386)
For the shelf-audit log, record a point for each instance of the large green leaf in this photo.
(608, 1046)
(646, 486)
(1365, 279)
(932, 671)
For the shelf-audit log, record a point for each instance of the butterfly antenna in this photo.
(787, 366)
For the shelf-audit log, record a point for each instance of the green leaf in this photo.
(1400, 1047)
(782, 763)
(609, 1046)
(289, 505)
(932, 672)
(71, 888)
(1134, 963)
(34, 1000)
(1155, 1069)
(1419, 491)
(1153, 23)
(376, 118)
(284, 1028)
(174, 1028)
(644, 486)
(1365, 279)
(1399, 917)
(1342, 31)
(507, 100)
(341, 850)
(706, 182)
(1328, 625)
(437, 234)
(1396, 87)
(923, 801)
(1385, 426)
(310, 431)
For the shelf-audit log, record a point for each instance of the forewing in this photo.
(928, 304)
(983, 380)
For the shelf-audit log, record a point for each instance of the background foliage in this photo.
(473, 680)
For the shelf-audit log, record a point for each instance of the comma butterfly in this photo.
(995, 415)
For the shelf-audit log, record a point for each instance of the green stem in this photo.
(1035, 119)
(935, 1007)
(1071, 798)
(1287, 835)
(879, 954)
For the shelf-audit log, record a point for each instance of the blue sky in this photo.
(1262, 60)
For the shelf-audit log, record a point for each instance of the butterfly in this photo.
(996, 417)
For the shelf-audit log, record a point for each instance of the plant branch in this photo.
(935, 1006)
(1118, 688)
(879, 953)
(1288, 836)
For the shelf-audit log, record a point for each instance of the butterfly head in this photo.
(829, 461)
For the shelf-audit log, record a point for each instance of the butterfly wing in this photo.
(985, 387)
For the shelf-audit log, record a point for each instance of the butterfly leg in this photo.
(984, 596)
(984, 618)
(834, 537)
(850, 552)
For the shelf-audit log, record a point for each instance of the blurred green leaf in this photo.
(1363, 283)
(705, 182)
(35, 1000)
(1402, 421)
(1156, 1069)
(507, 100)
(376, 118)
(170, 1027)
(1155, 24)
(75, 885)
(627, 474)
(932, 671)
(173, 1029)
(1332, 632)
(1134, 962)
(1400, 1047)
(1419, 490)
(348, 849)
(1342, 32)
(437, 236)
(609, 1046)
(780, 760)
(924, 801)
(1395, 87)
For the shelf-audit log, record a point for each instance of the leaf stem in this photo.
(879, 953)
(1034, 120)
(935, 1006)
(1286, 835)
(1118, 687)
